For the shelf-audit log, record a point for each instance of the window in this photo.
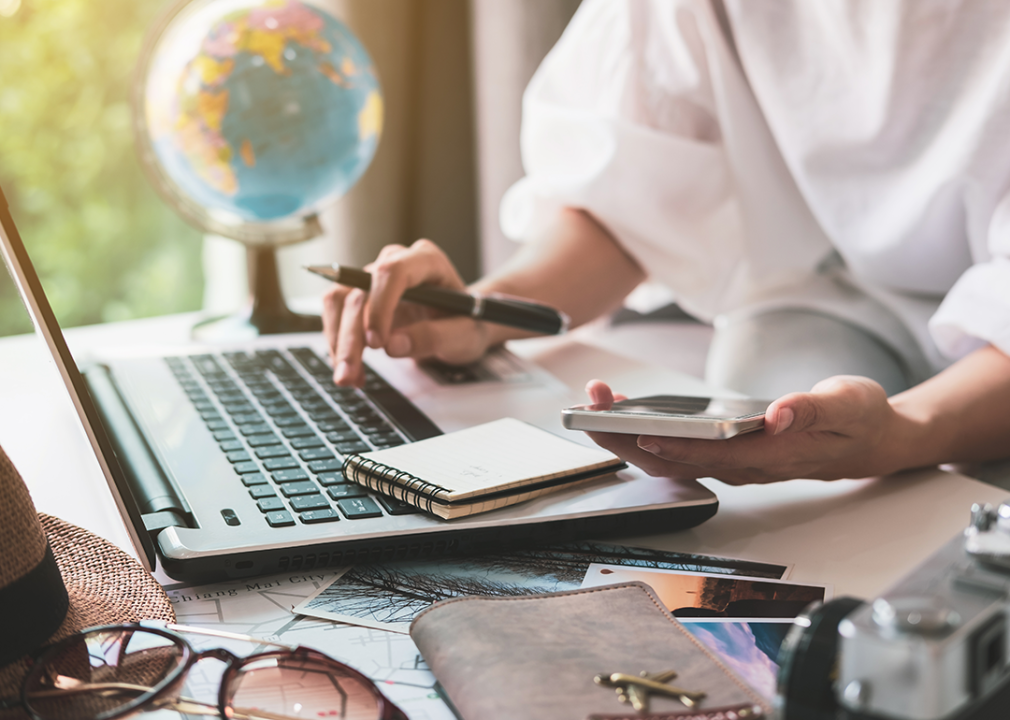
(106, 247)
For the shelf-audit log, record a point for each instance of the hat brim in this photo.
(105, 586)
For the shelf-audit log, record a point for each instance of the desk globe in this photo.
(250, 116)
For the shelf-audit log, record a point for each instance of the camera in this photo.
(933, 647)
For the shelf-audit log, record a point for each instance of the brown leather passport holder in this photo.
(535, 656)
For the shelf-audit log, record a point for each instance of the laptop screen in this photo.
(20, 267)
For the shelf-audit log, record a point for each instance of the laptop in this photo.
(224, 462)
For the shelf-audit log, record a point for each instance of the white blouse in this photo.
(877, 129)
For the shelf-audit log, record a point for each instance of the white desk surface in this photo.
(857, 535)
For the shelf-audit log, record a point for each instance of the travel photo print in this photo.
(742, 619)
(390, 595)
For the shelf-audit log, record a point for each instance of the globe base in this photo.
(246, 326)
(268, 315)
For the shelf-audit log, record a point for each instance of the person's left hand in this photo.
(843, 428)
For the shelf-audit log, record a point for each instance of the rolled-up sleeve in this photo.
(976, 310)
(619, 120)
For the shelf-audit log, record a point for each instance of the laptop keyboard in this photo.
(286, 429)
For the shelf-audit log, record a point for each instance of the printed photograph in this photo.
(391, 595)
(750, 649)
(703, 596)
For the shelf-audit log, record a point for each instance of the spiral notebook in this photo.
(481, 468)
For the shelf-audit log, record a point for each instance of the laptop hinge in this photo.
(158, 521)
(154, 492)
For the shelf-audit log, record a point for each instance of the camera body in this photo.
(935, 646)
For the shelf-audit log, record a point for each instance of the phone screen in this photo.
(700, 407)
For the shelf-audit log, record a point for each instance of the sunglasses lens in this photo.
(100, 672)
(291, 688)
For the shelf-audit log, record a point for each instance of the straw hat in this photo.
(57, 578)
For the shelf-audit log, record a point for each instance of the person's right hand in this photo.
(354, 319)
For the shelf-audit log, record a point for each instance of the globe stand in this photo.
(268, 315)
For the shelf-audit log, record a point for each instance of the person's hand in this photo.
(354, 319)
(843, 428)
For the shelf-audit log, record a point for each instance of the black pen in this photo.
(520, 314)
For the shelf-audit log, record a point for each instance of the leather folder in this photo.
(537, 657)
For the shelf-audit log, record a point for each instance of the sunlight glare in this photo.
(9, 8)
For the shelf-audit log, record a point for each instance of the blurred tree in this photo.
(104, 244)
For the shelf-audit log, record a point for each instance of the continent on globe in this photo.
(265, 109)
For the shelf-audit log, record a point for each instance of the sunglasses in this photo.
(115, 671)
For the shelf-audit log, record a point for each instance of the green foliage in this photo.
(107, 248)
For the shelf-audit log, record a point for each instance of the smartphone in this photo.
(671, 416)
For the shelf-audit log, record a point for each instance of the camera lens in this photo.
(809, 658)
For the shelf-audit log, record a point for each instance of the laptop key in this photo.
(262, 491)
(309, 502)
(342, 435)
(311, 362)
(270, 396)
(249, 418)
(333, 426)
(250, 479)
(309, 441)
(319, 453)
(205, 364)
(272, 451)
(319, 516)
(330, 465)
(297, 431)
(349, 448)
(224, 435)
(340, 393)
(238, 456)
(368, 418)
(231, 445)
(260, 429)
(246, 467)
(264, 439)
(288, 421)
(357, 508)
(331, 478)
(279, 410)
(346, 490)
(280, 518)
(216, 424)
(292, 475)
(324, 415)
(280, 463)
(275, 361)
(306, 487)
(316, 402)
(269, 504)
(224, 386)
(232, 400)
(396, 507)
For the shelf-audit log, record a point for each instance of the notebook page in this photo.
(494, 456)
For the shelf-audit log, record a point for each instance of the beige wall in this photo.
(510, 38)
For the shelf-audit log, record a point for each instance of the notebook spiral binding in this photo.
(388, 480)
